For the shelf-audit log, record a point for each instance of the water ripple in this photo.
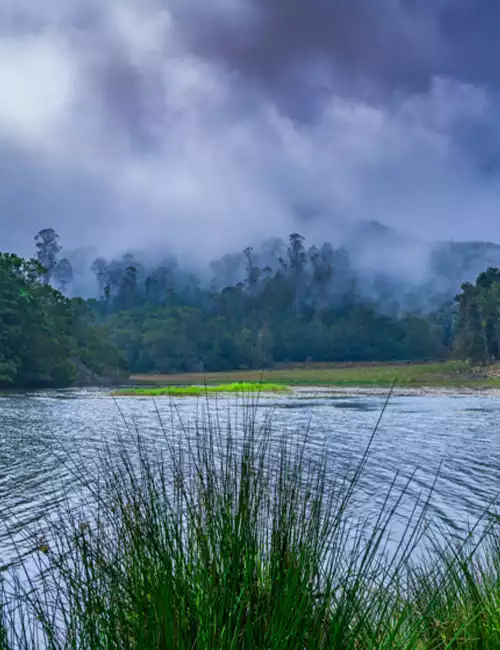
(420, 436)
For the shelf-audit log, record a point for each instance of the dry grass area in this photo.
(448, 373)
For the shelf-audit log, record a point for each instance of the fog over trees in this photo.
(286, 302)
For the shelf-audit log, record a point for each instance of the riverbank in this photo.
(448, 374)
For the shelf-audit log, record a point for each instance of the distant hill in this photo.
(387, 249)
(393, 264)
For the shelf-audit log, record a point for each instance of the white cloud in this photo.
(37, 87)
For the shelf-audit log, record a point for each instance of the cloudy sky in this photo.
(204, 126)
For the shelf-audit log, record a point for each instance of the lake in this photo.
(46, 436)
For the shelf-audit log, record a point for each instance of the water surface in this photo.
(454, 434)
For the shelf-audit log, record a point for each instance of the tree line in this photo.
(289, 303)
(293, 304)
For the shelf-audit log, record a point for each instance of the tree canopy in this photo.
(45, 338)
(302, 304)
(478, 318)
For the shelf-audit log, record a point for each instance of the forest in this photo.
(47, 340)
(292, 304)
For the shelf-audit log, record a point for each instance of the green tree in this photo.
(471, 342)
(44, 338)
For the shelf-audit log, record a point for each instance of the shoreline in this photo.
(450, 377)
(319, 391)
(432, 376)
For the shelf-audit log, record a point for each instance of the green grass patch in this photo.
(198, 391)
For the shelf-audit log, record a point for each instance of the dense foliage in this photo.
(478, 321)
(304, 304)
(46, 339)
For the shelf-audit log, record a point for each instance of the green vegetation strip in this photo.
(187, 391)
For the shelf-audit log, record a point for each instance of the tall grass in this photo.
(239, 538)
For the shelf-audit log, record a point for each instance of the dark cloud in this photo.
(208, 126)
(470, 31)
(387, 45)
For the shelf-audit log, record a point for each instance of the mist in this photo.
(166, 126)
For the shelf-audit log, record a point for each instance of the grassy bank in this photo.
(244, 542)
(445, 374)
(200, 390)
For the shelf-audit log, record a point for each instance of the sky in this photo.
(203, 127)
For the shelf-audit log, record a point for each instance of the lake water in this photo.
(455, 434)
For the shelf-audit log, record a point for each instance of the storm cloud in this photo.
(203, 127)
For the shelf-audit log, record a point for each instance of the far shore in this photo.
(447, 374)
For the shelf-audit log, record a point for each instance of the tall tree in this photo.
(128, 288)
(47, 249)
(100, 269)
(63, 274)
(471, 342)
(296, 265)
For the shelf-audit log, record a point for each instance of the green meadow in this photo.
(433, 374)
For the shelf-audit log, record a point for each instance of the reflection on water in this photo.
(455, 435)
